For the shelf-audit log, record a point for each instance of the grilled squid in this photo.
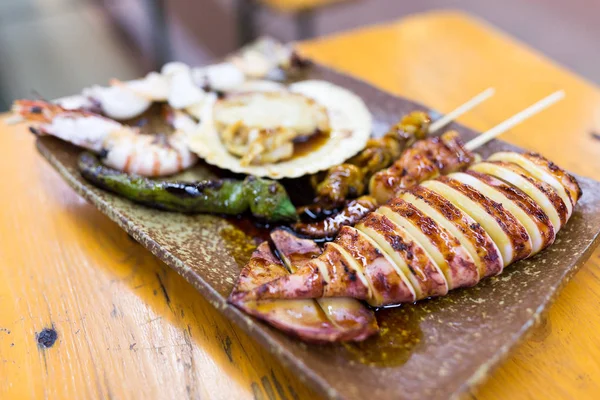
(320, 320)
(442, 234)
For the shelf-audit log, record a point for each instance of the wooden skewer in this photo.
(514, 120)
(460, 110)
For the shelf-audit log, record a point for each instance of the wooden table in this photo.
(129, 327)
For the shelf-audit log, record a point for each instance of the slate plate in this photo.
(435, 349)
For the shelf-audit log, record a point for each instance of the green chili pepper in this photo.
(265, 199)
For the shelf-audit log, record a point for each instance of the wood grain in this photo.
(128, 327)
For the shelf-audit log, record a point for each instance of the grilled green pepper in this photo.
(265, 199)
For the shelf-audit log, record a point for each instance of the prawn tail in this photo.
(36, 110)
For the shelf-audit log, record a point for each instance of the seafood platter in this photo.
(373, 244)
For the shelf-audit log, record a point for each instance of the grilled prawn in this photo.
(120, 146)
(445, 233)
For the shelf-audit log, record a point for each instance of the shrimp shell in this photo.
(121, 147)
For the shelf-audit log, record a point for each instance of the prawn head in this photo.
(36, 110)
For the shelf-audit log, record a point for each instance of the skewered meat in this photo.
(350, 179)
(426, 159)
(437, 236)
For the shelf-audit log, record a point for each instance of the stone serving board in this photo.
(435, 349)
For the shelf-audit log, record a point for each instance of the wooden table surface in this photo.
(291, 6)
(129, 327)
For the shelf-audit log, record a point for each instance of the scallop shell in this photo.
(351, 125)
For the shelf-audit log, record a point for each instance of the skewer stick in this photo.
(515, 120)
(460, 110)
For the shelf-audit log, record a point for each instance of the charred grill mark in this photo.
(398, 245)
(573, 189)
(523, 201)
(431, 281)
(382, 276)
(352, 276)
(514, 230)
(192, 190)
(485, 248)
(209, 184)
(462, 270)
(347, 277)
(556, 201)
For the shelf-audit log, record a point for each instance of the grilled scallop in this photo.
(308, 127)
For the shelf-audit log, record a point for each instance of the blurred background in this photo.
(57, 47)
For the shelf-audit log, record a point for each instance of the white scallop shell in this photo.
(350, 120)
(258, 86)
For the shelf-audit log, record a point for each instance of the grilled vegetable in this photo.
(265, 199)
(442, 234)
